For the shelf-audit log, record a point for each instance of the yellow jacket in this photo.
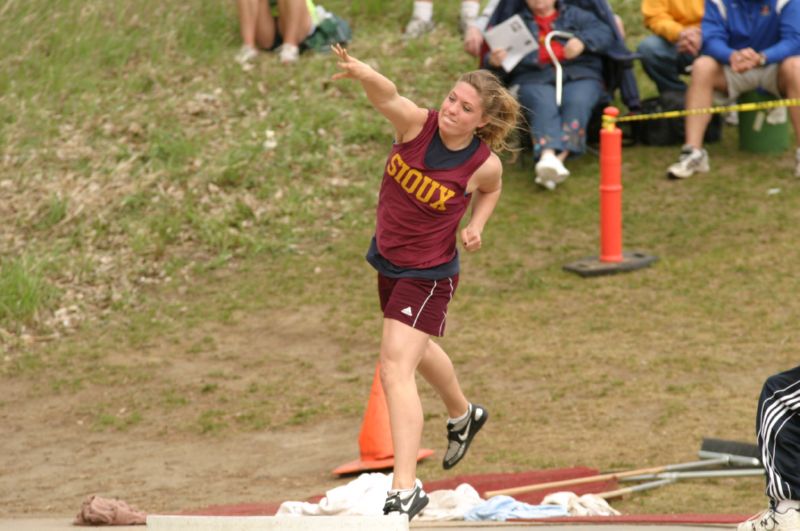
(668, 18)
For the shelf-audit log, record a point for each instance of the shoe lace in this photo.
(457, 435)
(767, 518)
(692, 157)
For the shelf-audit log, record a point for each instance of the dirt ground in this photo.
(52, 455)
(49, 468)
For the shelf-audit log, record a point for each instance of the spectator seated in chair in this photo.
(675, 43)
(558, 132)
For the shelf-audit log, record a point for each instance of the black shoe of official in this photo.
(459, 436)
(410, 504)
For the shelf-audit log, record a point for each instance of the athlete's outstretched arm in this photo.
(486, 184)
(403, 113)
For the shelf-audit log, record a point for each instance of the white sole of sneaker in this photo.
(546, 173)
(549, 185)
(679, 175)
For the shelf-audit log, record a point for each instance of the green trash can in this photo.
(765, 130)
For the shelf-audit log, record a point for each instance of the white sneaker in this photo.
(691, 160)
(246, 55)
(417, 27)
(550, 185)
(550, 171)
(797, 163)
(289, 54)
(773, 520)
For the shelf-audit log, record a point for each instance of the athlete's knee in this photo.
(390, 372)
(395, 367)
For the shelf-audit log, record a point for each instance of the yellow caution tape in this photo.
(739, 107)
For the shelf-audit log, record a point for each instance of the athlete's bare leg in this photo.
(402, 349)
(437, 369)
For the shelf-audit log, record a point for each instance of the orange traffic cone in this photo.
(375, 439)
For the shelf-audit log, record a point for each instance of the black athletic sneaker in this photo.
(410, 504)
(460, 435)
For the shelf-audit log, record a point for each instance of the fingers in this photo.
(340, 52)
(573, 48)
(473, 245)
(497, 57)
(344, 63)
(470, 240)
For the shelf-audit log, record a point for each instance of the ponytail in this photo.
(499, 106)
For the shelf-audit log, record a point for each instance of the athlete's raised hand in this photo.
(351, 67)
(406, 117)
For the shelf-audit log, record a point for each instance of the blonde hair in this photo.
(499, 106)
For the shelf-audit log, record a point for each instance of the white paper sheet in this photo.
(514, 37)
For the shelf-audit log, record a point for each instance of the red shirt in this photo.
(420, 208)
(545, 25)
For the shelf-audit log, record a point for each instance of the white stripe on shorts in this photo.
(444, 317)
(422, 307)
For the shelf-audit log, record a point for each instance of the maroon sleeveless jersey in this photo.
(419, 208)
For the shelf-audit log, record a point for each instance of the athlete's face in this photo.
(462, 111)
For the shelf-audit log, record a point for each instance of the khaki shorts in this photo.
(763, 77)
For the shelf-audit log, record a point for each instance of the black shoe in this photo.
(410, 504)
(460, 435)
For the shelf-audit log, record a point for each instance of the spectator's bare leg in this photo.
(789, 85)
(256, 25)
(294, 21)
(707, 76)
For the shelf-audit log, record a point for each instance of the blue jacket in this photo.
(771, 27)
(595, 34)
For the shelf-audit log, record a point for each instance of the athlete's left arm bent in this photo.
(486, 184)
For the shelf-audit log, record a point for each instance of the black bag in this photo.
(669, 131)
